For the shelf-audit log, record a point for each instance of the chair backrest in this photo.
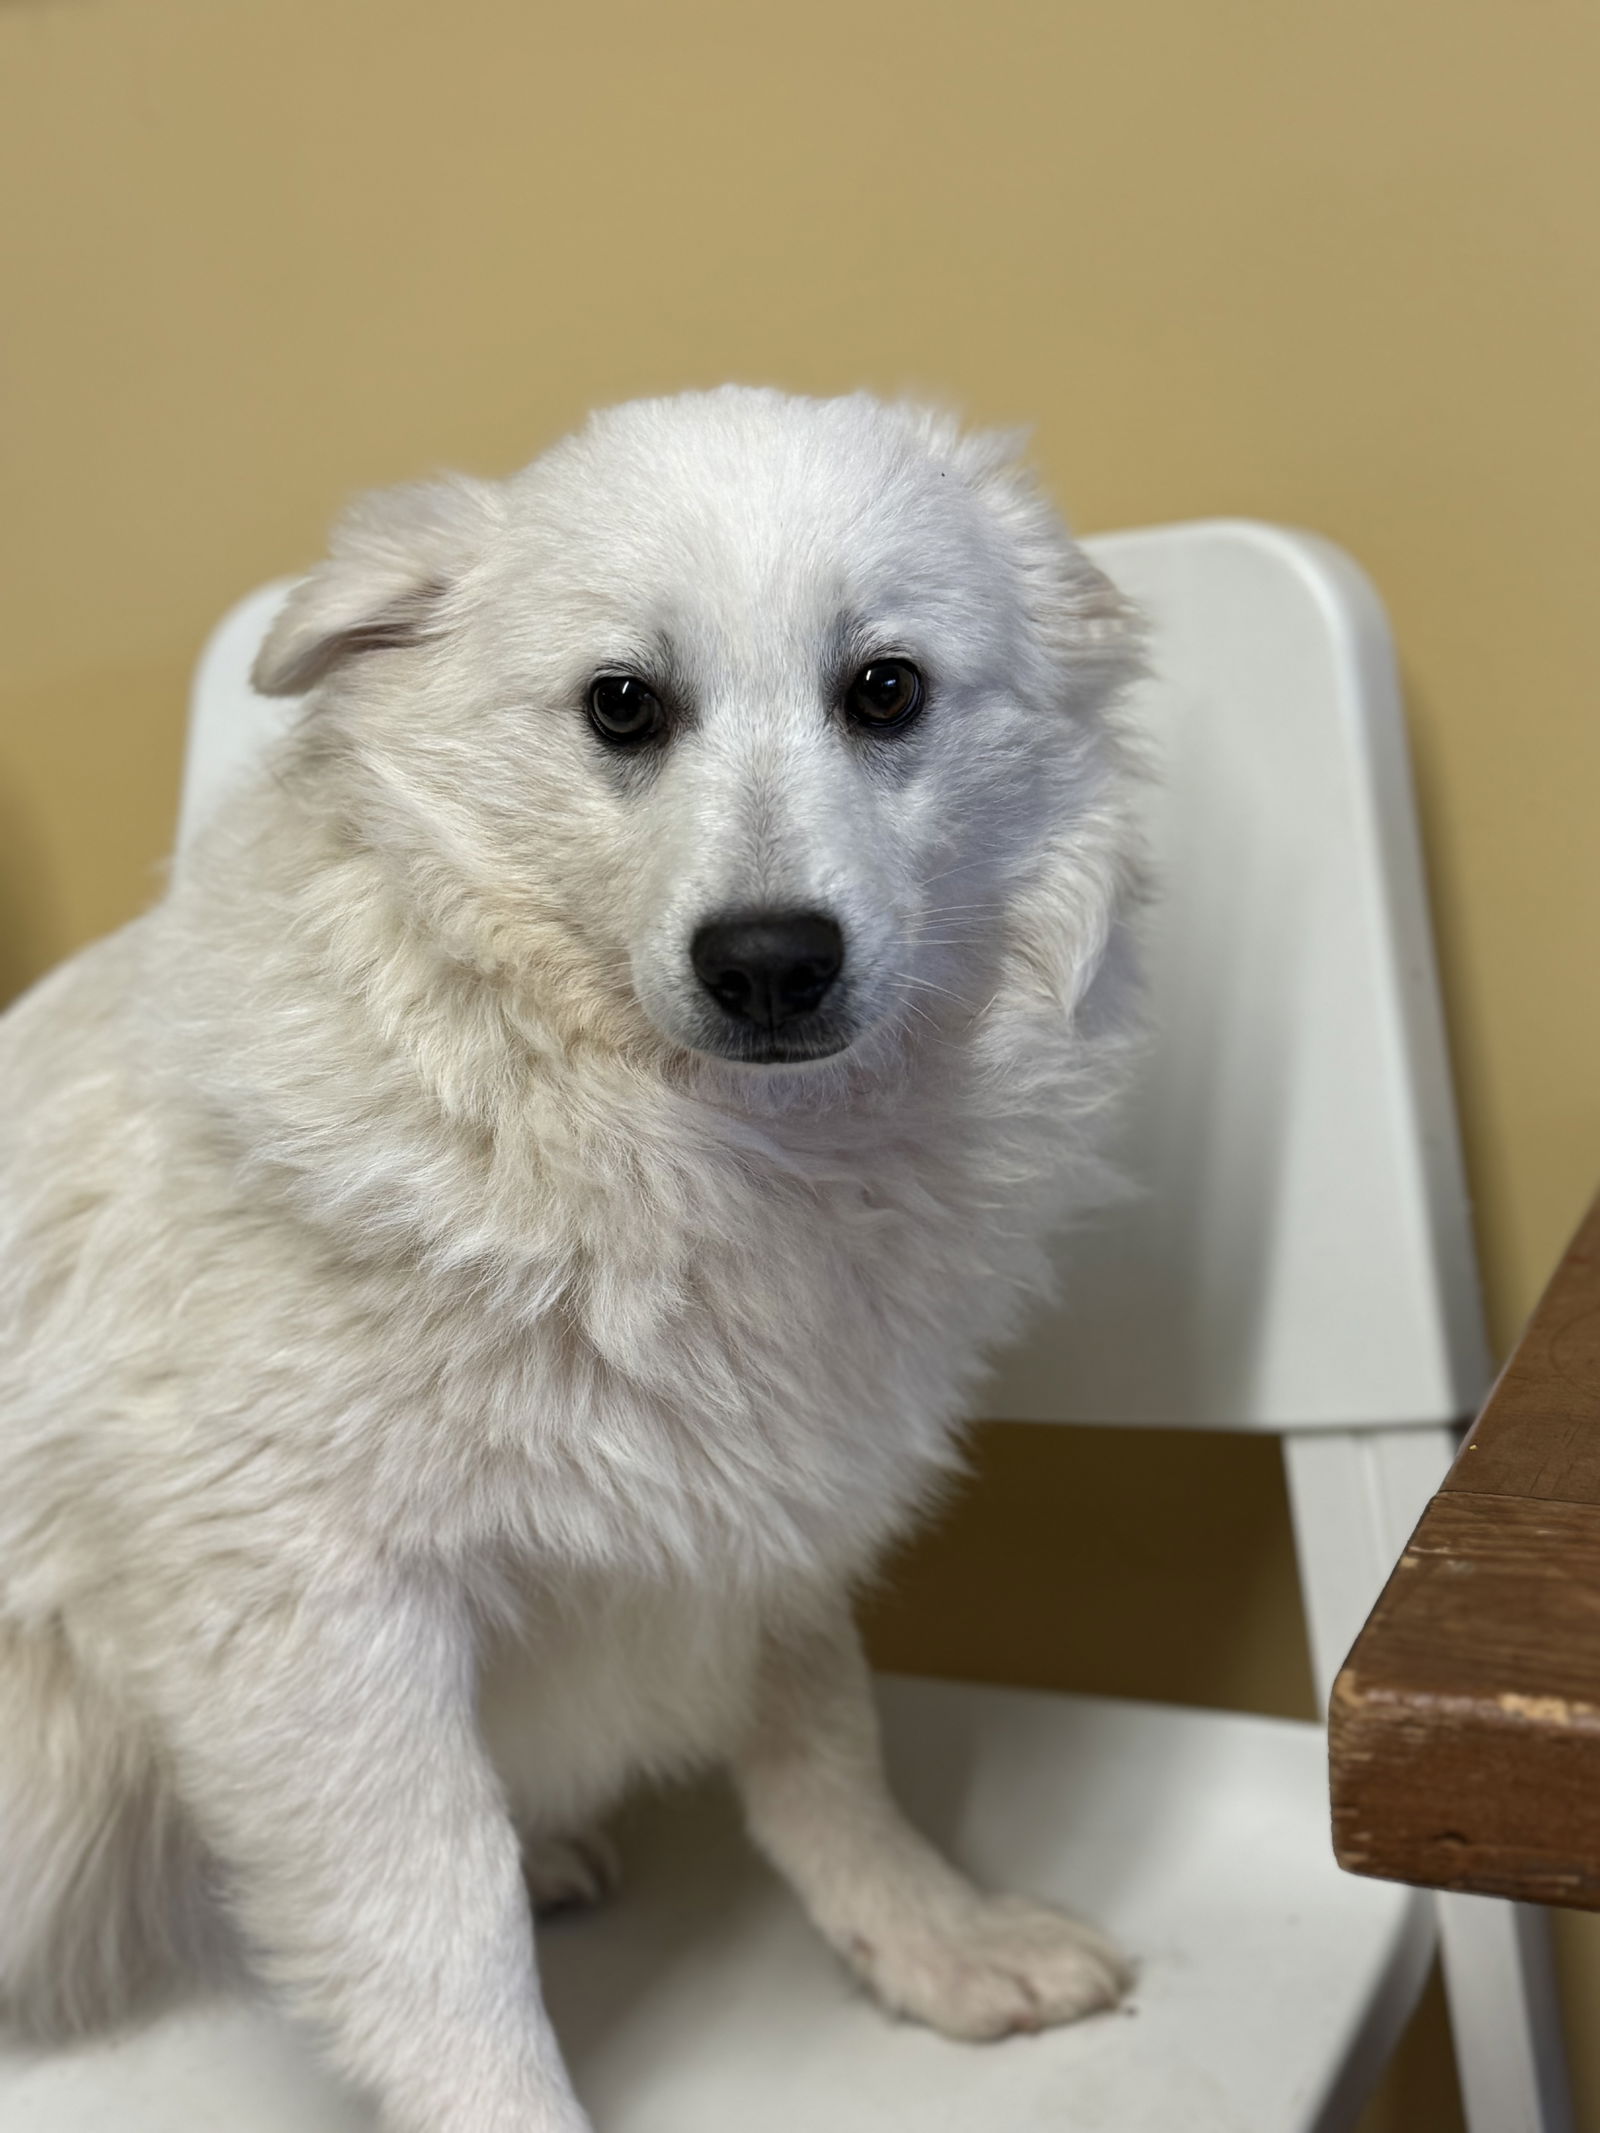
(1297, 1251)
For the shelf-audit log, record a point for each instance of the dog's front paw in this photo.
(999, 1966)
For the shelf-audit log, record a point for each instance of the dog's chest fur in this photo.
(740, 1364)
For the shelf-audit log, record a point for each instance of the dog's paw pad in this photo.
(1005, 1967)
(569, 1873)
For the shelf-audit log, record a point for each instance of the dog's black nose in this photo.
(769, 967)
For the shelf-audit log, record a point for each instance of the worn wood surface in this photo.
(1465, 1725)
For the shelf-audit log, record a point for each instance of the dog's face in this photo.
(736, 721)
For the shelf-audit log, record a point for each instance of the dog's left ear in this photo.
(394, 560)
(1094, 634)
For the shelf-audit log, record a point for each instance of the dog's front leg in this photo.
(930, 1944)
(327, 1749)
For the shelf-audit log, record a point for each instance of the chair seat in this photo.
(699, 2000)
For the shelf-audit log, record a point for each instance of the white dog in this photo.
(491, 1259)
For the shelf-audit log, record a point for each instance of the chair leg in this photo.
(1499, 1973)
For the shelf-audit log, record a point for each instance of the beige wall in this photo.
(1327, 264)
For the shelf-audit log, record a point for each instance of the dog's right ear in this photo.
(394, 559)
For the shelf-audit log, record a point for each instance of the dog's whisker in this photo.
(936, 1034)
(907, 977)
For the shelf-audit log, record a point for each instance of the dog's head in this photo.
(738, 723)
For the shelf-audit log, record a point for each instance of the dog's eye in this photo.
(885, 695)
(623, 711)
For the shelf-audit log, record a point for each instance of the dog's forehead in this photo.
(730, 528)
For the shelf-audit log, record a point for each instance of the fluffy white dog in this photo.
(491, 1259)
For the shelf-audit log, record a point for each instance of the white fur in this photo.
(433, 1394)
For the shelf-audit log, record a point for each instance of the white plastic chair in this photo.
(1301, 1261)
